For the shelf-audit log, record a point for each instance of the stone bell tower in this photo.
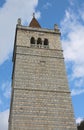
(40, 95)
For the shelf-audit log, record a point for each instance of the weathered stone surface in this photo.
(40, 94)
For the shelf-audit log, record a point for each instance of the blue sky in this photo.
(69, 15)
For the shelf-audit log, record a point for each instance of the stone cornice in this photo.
(43, 30)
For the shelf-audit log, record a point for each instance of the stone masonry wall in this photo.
(38, 70)
(40, 97)
(24, 36)
(41, 110)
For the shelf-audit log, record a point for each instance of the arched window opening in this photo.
(39, 42)
(46, 44)
(32, 40)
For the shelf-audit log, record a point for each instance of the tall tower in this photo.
(40, 95)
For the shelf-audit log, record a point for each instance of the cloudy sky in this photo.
(69, 15)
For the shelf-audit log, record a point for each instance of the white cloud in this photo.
(71, 2)
(78, 120)
(47, 5)
(9, 13)
(78, 87)
(73, 45)
(75, 92)
(6, 88)
(79, 83)
(4, 120)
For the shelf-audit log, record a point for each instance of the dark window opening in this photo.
(32, 40)
(46, 42)
(39, 41)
